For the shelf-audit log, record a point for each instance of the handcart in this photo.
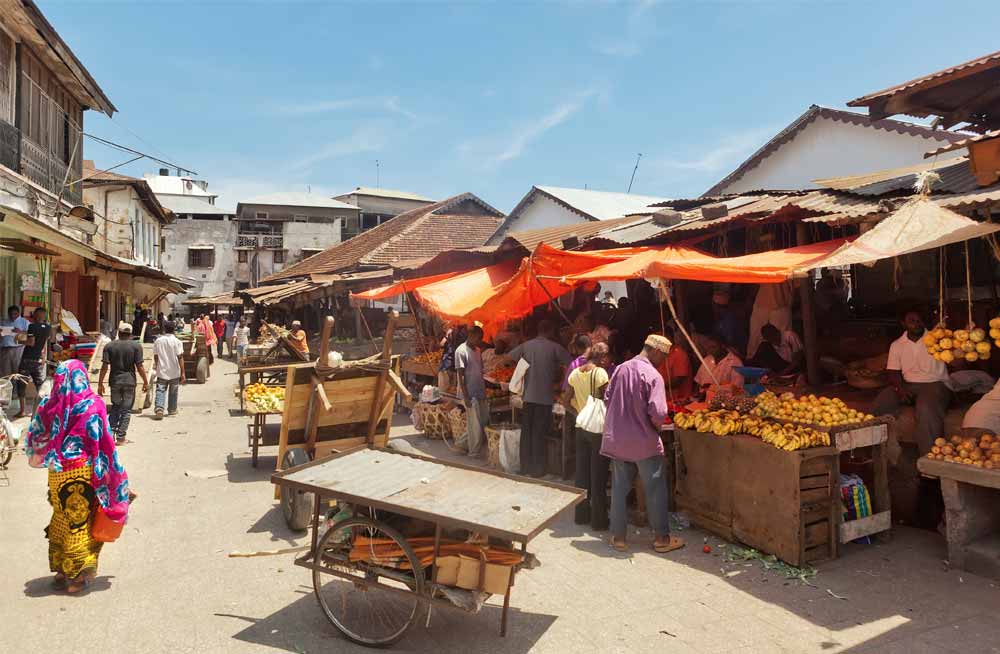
(373, 583)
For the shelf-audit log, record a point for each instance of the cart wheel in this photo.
(296, 506)
(201, 370)
(367, 614)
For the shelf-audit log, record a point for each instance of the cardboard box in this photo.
(496, 577)
(447, 570)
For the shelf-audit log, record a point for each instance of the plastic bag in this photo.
(591, 417)
(516, 384)
(510, 450)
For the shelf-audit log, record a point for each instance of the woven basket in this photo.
(493, 445)
(457, 422)
(435, 422)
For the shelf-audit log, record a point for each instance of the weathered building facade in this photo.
(377, 205)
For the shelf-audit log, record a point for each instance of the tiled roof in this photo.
(811, 114)
(92, 176)
(418, 233)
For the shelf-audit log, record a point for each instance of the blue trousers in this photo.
(653, 472)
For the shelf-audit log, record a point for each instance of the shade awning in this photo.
(920, 224)
(401, 287)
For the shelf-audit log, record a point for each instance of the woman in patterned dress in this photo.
(69, 435)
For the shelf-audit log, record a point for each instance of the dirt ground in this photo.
(168, 585)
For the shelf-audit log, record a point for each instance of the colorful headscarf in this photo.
(209, 331)
(70, 429)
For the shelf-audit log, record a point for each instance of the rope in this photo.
(680, 325)
(663, 330)
(941, 265)
(552, 300)
(368, 329)
(968, 284)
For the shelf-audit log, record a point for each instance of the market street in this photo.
(168, 585)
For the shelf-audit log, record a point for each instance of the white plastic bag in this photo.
(516, 385)
(591, 417)
(510, 450)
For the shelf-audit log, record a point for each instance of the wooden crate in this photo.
(782, 503)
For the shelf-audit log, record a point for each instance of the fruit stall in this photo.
(767, 471)
(260, 401)
(969, 470)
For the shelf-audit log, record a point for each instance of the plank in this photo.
(873, 524)
(861, 437)
(959, 472)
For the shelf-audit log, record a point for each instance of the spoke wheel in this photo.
(365, 613)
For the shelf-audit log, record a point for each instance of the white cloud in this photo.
(389, 104)
(724, 154)
(367, 138)
(639, 27)
(512, 145)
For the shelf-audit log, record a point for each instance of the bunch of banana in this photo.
(720, 423)
(790, 437)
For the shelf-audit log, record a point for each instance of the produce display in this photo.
(969, 345)
(809, 410)
(982, 452)
(431, 358)
(266, 399)
(723, 422)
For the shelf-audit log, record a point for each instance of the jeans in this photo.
(931, 400)
(477, 416)
(219, 345)
(241, 350)
(592, 470)
(122, 399)
(166, 391)
(535, 422)
(653, 472)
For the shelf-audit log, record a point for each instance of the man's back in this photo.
(544, 358)
(167, 348)
(123, 356)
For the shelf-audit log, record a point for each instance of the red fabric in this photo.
(400, 287)
(677, 365)
(220, 327)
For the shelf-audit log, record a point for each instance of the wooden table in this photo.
(257, 432)
(972, 514)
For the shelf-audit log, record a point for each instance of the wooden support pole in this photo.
(376, 412)
(318, 393)
(806, 296)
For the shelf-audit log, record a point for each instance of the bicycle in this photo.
(8, 445)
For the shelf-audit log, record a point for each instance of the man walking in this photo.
(469, 365)
(219, 325)
(545, 359)
(168, 362)
(241, 336)
(10, 349)
(33, 356)
(636, 408)
(124, 358)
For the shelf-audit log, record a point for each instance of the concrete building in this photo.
(824, 143)
(377, 205)
(553, 206)
(279, 229)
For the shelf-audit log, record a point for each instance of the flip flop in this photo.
(618, 545)
(674, 543)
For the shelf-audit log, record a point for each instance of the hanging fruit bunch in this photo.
(995, 331)
(968, 345)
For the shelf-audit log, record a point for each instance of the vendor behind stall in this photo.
(779, 351)
(720, 361)
(915, 377)
(983, 417)
(297, 337)
(676, 372)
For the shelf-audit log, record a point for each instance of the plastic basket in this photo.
(6, 392)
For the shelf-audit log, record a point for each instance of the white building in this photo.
(377, 205)
(823, 143)
(553, 206)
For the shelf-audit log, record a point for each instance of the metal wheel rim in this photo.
(367, 615)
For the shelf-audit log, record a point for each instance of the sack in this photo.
(516, 384)
(104, 529)
(509, 451)
(591, 417)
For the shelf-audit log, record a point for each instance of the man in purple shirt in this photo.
(636, 408)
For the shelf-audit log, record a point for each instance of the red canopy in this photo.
(400, 287)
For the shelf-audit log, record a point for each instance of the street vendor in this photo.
(469, 366)
(636, 409)
(729, 324)
(780, 351)
(772, 305)
(915, 377)
(297, 337)
(676, 372)
(983, 417)
(720, 361)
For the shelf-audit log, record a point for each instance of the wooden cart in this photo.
(196, 361)
(373, 599)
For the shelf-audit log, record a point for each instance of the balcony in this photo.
(260, 242)
(23, 156)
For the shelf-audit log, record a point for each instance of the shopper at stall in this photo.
(219, 327)
(10, 349)
(545, 359)
(168, 362)
(589, 380)
(469, 366)
(454, 337)
(241, 336)
(779, 351)
(69, 435)
(676, 372)
(636, 408)
(123, 357)
(719, 365)
(297, 337)
(40, 335)
(915, 377)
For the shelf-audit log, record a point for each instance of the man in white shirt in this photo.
(241, 336)
(779, 351)
(916, 377)
(10, 349)
(168, 362)
(720, 361)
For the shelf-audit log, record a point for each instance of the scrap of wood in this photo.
(321, 393)
(287, 550)
(399, 385)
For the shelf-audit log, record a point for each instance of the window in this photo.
(201, 257)
(299, 218)
(261, 215)
(241, 256)
(279, 256)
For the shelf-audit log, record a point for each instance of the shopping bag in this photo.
(104, 529)
(591, 417)
(516, 384)
(510, 449)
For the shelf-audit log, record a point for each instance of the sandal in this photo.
(618, 545)
(674, 543)
(59, 581)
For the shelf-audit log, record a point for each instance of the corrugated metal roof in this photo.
(956, 177)
(964, 143)
(298, 199)
(506, 505)
(555, 236)
(191, 204)
(385, 193)
(601, 205)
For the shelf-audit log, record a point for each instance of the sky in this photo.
(483, 97)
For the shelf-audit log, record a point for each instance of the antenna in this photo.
(638, 157)
(378, 178)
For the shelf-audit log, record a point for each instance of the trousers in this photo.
(166, 393)
(653, 472)
(477, 416)
(120, 413)
(535, 422)
(592, 471)
(931, 402)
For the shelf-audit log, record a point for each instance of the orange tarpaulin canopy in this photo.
(400, 287)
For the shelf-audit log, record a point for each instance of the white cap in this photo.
(124, 327)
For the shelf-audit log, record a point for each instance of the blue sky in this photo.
(488, 97)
